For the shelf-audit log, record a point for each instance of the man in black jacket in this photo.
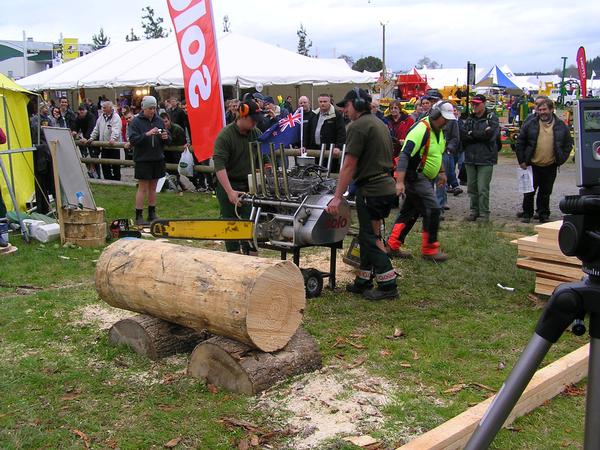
(307, 120)
(479, 138)
(67, 116)
(544, 143)
(328, 127)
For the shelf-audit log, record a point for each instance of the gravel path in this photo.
(505, 200)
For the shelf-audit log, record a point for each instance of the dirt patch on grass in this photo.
(330, 402)
(320, 261)
(99, 315)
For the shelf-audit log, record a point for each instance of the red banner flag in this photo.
(196, 38)
(581, 63)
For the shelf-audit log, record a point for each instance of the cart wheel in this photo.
(313, 282)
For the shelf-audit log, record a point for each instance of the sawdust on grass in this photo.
(330, 403)
(99, 315)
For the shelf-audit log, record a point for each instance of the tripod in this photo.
(570, 302)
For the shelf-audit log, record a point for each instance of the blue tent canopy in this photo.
(499, 78)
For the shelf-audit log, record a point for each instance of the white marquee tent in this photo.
(244, 62)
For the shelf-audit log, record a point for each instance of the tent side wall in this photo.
(16, 126)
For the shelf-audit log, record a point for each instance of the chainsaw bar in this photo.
(203, 229)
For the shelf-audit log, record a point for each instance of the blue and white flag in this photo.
(285, 131)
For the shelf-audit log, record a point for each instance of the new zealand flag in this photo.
(286, 131)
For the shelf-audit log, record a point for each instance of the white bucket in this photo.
(46, 233)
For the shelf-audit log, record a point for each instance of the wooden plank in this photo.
(543, 290)
(545, 384)
(534, 241)
(58, 191)
(538, 265)
(541, 254)
(548, 231)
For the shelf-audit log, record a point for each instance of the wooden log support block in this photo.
(238, 368)
(257, 301)
(84, 227)
(153, 337)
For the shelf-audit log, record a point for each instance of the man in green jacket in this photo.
(232, 166)
(368, 163)
(479, 137)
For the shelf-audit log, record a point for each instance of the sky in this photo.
(527, 35)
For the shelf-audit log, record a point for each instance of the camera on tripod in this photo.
(579, 234)
(586, 124)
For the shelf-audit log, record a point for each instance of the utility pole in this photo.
(383, 59)
(563, 91)
(24, 54)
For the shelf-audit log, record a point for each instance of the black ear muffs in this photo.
(360, 103)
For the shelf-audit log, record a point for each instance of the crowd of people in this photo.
(416, 158)
(423, 153)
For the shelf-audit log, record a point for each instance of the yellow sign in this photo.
(70, 49)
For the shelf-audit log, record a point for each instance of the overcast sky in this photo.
(528, 35)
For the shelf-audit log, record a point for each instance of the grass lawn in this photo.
(63, 386)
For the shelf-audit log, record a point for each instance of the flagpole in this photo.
(302, 149)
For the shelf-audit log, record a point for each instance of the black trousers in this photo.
(111, 171)
(543, 182)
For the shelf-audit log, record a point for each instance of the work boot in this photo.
(544, 219)
(151, 213)
(381, 293)
(457, 191)
(399, 253)
(440, 256)
(358, 288)
(525, 219)
(139, 218)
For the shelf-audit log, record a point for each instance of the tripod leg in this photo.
(592, 402)
(562, 308)
(509, 394)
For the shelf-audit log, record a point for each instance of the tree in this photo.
(100, 40)
(593, 65)
(153, 26)
(369, 63)
(226, 24)
(304, 44)
(425, 61)
(570, 72)
(132, 37)
(349, 59)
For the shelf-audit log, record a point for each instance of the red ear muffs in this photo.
(243, 110)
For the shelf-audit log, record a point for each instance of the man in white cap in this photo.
(419, 164)
(148, 138)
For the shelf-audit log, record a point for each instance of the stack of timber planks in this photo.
(542, 254)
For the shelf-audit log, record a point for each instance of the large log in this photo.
(239, 368)
(256, 301)
(153, 337)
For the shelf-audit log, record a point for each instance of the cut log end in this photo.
(153, 337)
(277, 307)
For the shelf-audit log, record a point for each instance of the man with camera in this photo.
(544, 143)
(148, 138)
